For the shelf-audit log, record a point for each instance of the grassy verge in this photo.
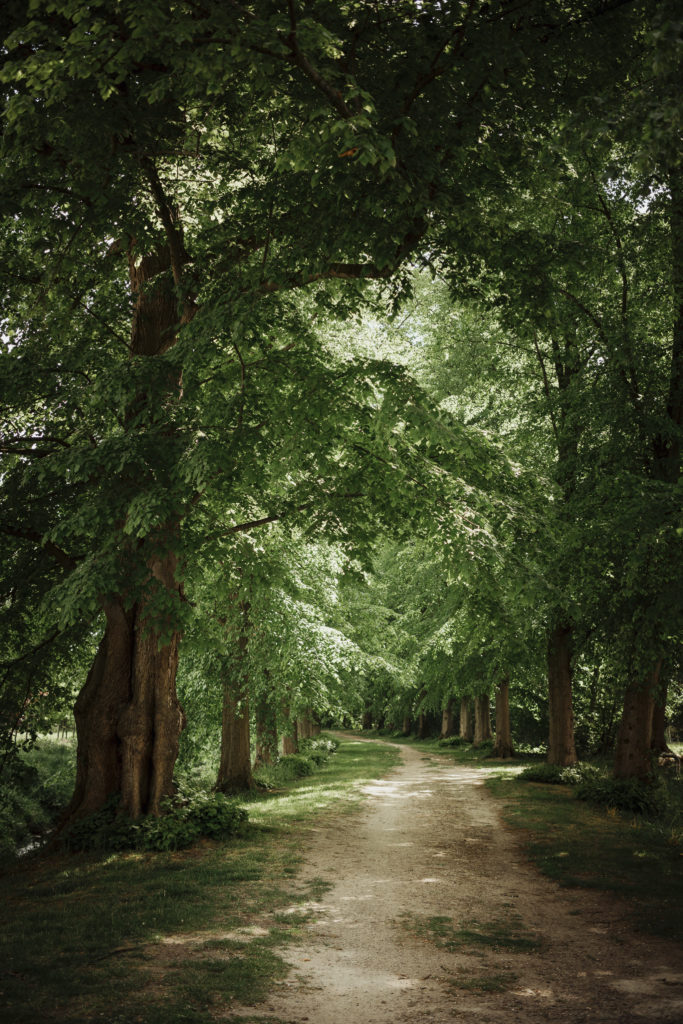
(178, 938)
(580, 845)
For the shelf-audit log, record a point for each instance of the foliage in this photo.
(183, 822)
(34, 790)
(631, 796)
(571, 775)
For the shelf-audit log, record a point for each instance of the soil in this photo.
(430, 843)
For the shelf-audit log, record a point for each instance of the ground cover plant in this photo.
(195, 929)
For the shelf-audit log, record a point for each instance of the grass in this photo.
(582, 846)
(178, 938)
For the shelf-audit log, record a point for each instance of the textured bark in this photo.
(266, 731)
(448, 719)
(466, 720)
(503, 746)
(482, 719)
(633, 756)
(407, 726)
(305, 725)
(290, 732)
(316, 727)
(561, 747)
(658, 742)
(234, 773)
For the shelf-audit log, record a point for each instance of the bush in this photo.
(181, 824)
(454, 741)
(549, 773)
(296, 766)
(630, 795)
(36, 786)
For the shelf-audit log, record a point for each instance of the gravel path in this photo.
(430, 843)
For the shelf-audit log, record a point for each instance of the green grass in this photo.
(146, 938)
(583, 846)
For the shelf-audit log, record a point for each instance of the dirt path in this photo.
(430, 843)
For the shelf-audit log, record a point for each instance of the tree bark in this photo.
(234, 773)
(407, 725)
(482, 719)
(266, 731)
(448, 720)
(658, 742)
(503, 746)
(367, 720)
(633, 756)
(128, 718)
(561, 747)
(466, 720)
(290, 732)
(305, 725)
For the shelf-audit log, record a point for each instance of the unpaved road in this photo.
(429, 842)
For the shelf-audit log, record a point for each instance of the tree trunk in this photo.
(128, 718)
(482, 719)
(234, 773)
(561, 748)
(466, 721)
(407, 725)
(266, 731)
(633, 757)
(503, 746)
(290, 732)
(367, 720)
(422, 726)
(305, 725)
(448, 720)
(658, 743)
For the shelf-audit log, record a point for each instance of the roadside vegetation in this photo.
(583, 828)
(178, 935)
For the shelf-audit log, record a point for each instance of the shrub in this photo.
(296, 766)
(454, 741)
(549, 773)
(630, 795)
(180, 825)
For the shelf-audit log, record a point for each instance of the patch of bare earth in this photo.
(430, 844)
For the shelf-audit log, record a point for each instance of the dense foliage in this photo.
(341, 376)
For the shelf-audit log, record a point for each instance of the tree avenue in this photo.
(214, 217)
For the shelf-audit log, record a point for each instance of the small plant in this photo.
(212, 816)
(454, 741)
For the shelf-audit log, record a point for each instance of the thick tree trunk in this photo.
(128, 718)
(658, 743)
(234, 773)
(482, 719)
(633, 756)
(466, 720)
(422, 726)
(407, 726)
(367, 720)
(448, 720)
(316, 727)
(561, 748)
(503, 746)
(266, 731)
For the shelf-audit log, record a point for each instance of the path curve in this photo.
(429, 842)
